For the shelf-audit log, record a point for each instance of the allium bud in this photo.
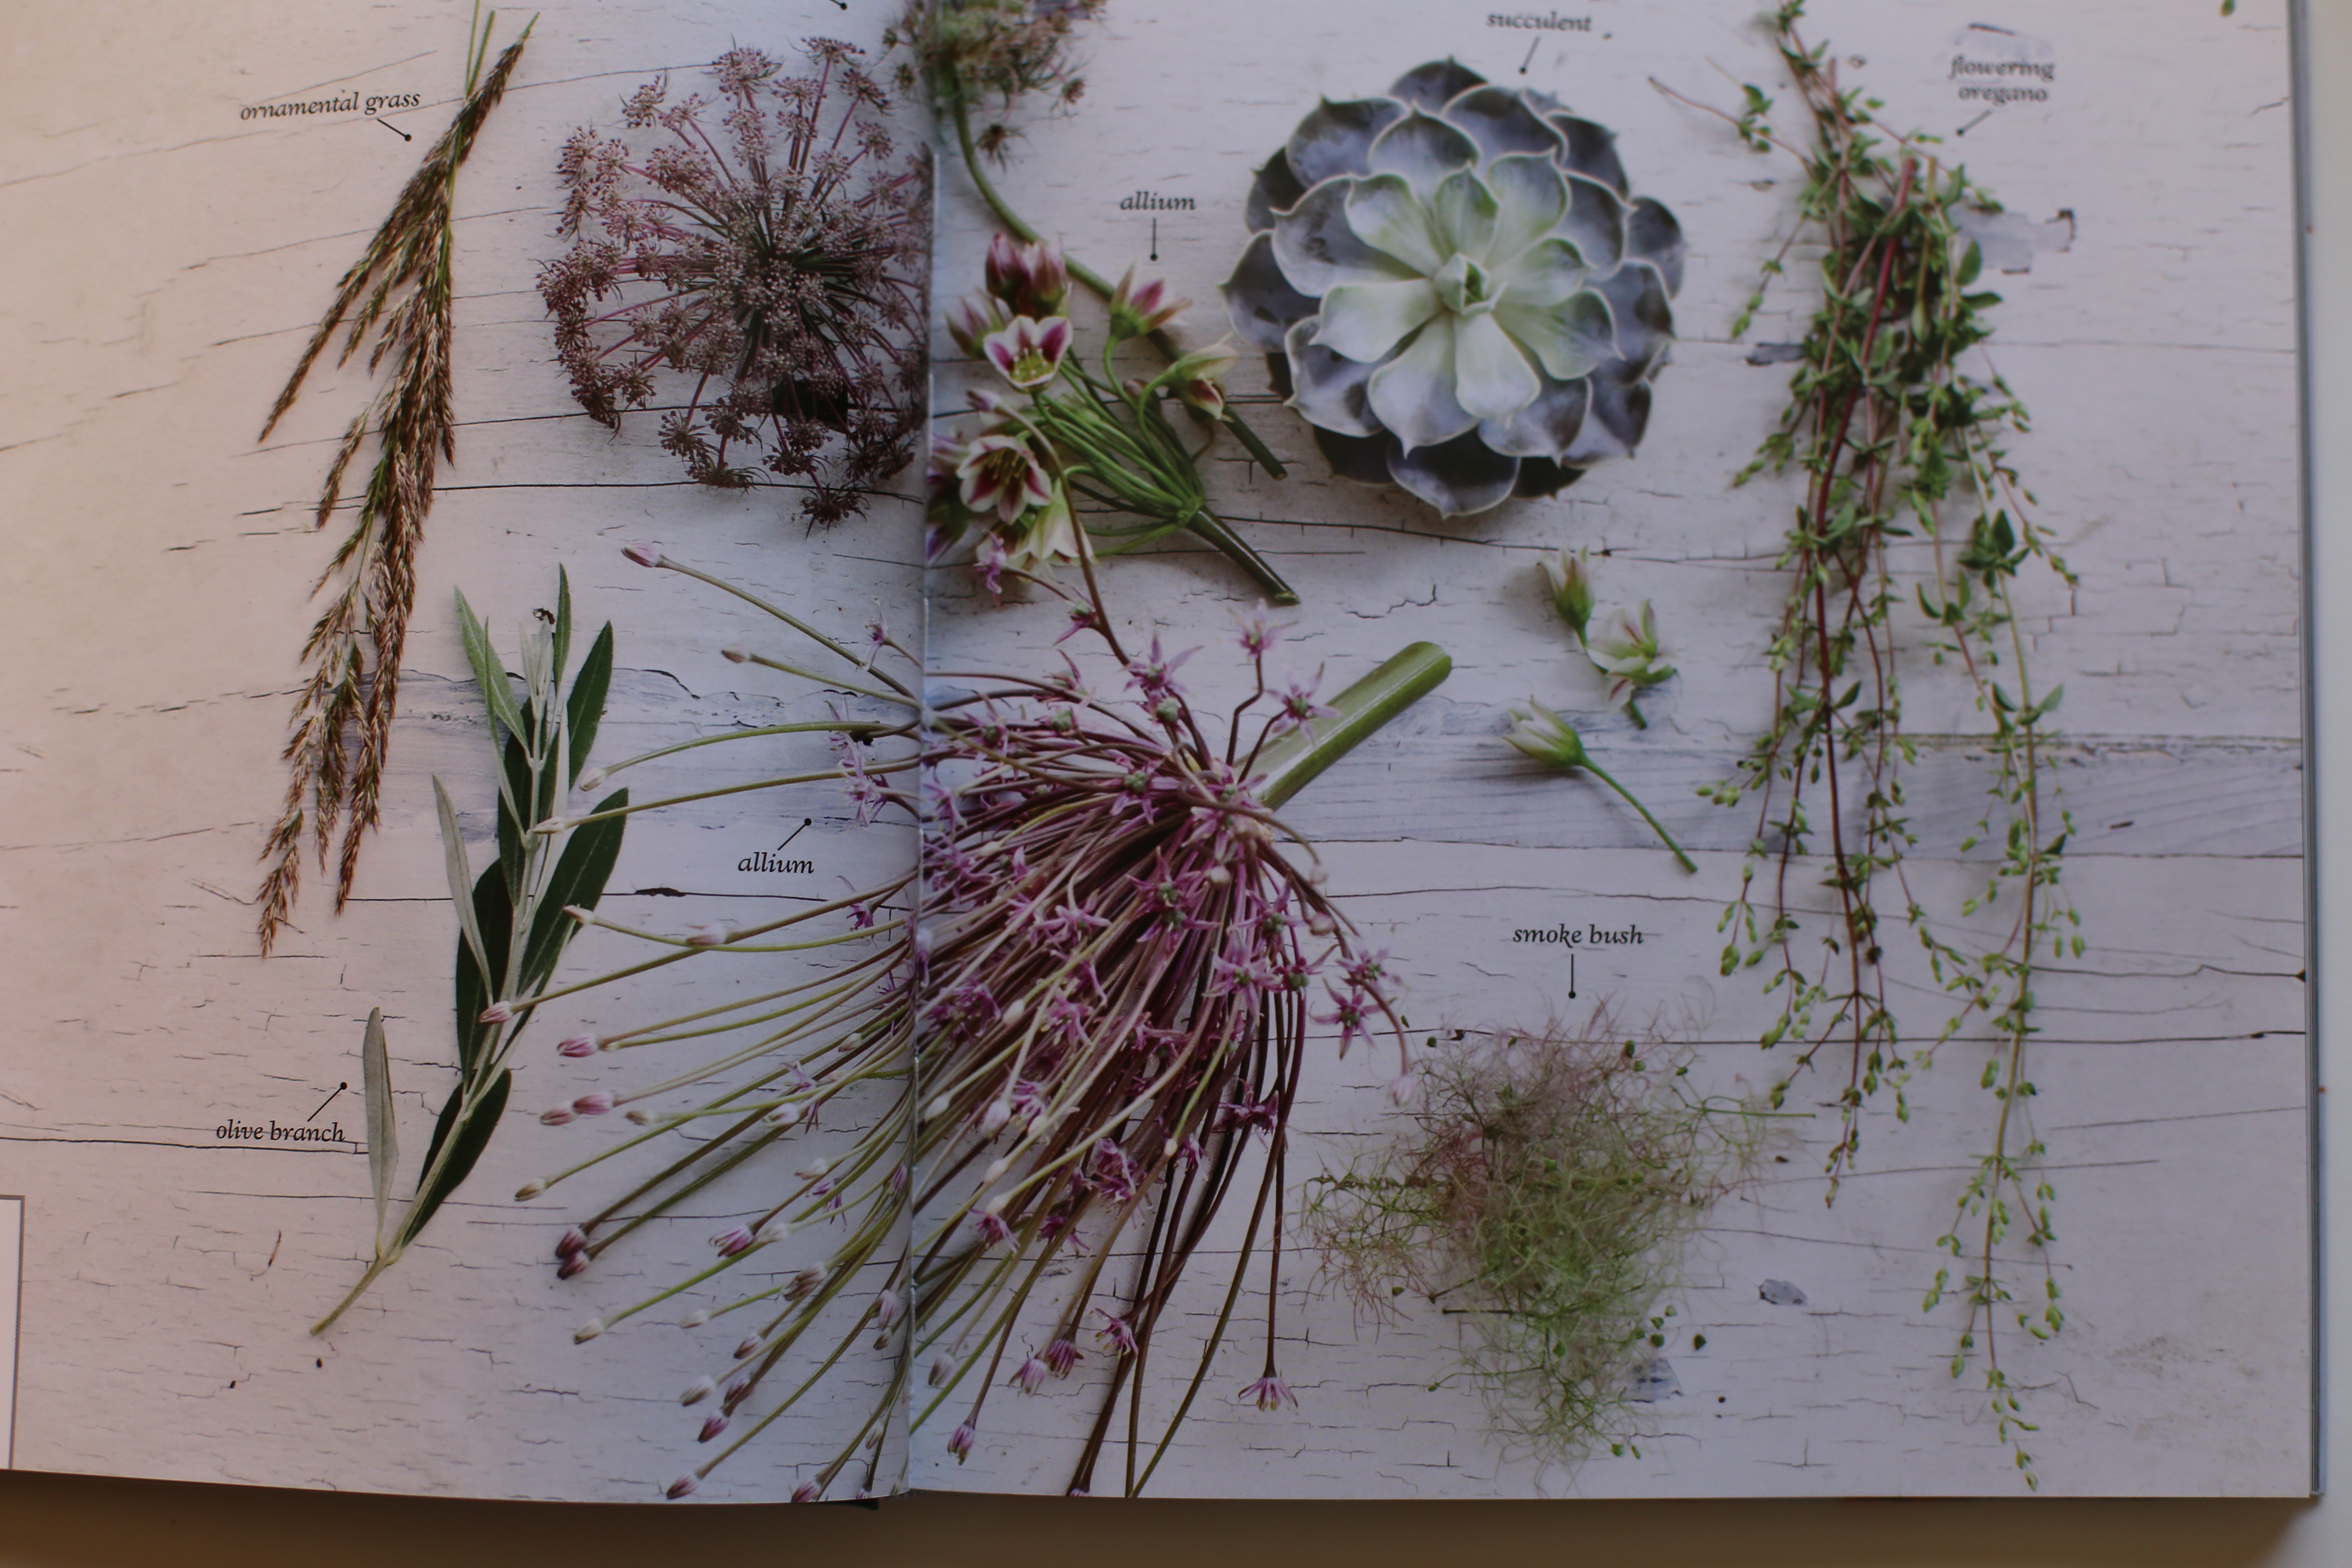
(1401, 1089)
(556, 1116)
(587, 1330)
(774, 1231)
(887, 1307)
(959, 1441)
(1138, 310)
(943, 1367)
(572, 1266)
(1545, 736)
(807, 1491)
(695, 1319)
(1030, 1375)
(584, 915)
(498, 1013)
(937, 1108)
(992, 1119)
(736, 653)
(644, 554)
(813, 1171)
(595, 1102)
(1572, 589)
(641, 1118)
(730, 1242)
(700, 1389)
(711, 933)
(996, 1168)
(748, 1349)
(804, 1285)
(682, 1487)
(572, 1243)
(971, 319)
(576, 1046)
(1061, 1356)
(784, 1115)
(592, 781)
(530, 1190)
(711, 1427)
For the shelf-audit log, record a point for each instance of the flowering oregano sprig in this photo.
(778, 259)
(1084, 434)
(1100, 976)
(1893, 440)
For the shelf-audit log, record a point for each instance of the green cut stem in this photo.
(1598, 771)
(1413, 673)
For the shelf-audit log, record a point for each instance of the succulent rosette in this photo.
(1458, 289)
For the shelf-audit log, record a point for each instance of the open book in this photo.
(1497, 826)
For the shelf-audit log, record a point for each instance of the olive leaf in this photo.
(382, 1134)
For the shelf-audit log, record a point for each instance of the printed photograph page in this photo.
(1619, 806)
(462, 651)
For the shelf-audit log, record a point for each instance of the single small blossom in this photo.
(959, 1441)
(1061, 1356)
(572, 1266)
(592, 781)
(1029, 354)
(1138, 310)
(1630, 654)
(971, 319)
(596, 1102)
(1270, 1393)
(1116, 1334)
(587, 1330)
(1199, 377)
(1401, 1089)
(1050, 537)
(557, 1116)
(572, 1243)
(700, 1389)
(942, 1367)
(682, 1487)
(887, 1308)
(807, 1491)
(1001, 474)
(695, 1319)
(731, 1241)
(576, 1046)
(711, 1427)
(644, 554)
(498, 1013)
(1030, 1375)
(711, 933)
(530, 1190)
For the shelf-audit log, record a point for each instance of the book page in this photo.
(211, 1148)
(1971, 795)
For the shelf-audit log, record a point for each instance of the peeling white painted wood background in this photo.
(166, 260)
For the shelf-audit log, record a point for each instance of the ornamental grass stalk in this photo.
(1068, 1039)
(1542, 1190)
(773, 265)
(398, 292)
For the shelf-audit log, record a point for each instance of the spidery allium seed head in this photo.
(766, 244)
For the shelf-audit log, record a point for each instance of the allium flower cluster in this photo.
(1114, 952)
(764, 249)
(1076, 435)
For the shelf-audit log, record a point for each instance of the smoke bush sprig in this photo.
(1542, 1190)
(1103, 975)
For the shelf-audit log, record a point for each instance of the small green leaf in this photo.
(382, 1133)
(461, 874)
(585, 710)
(497, 695)
(469, 1132)
(579, 879)
(562, 619)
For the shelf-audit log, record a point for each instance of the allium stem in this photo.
(1409, 675)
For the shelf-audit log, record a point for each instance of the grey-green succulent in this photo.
(1458, 289)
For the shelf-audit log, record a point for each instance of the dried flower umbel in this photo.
(1081, 433)
(1541, 1190)
(765, 251)
(1459, 291)
(398, 291)
(1108, 989)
